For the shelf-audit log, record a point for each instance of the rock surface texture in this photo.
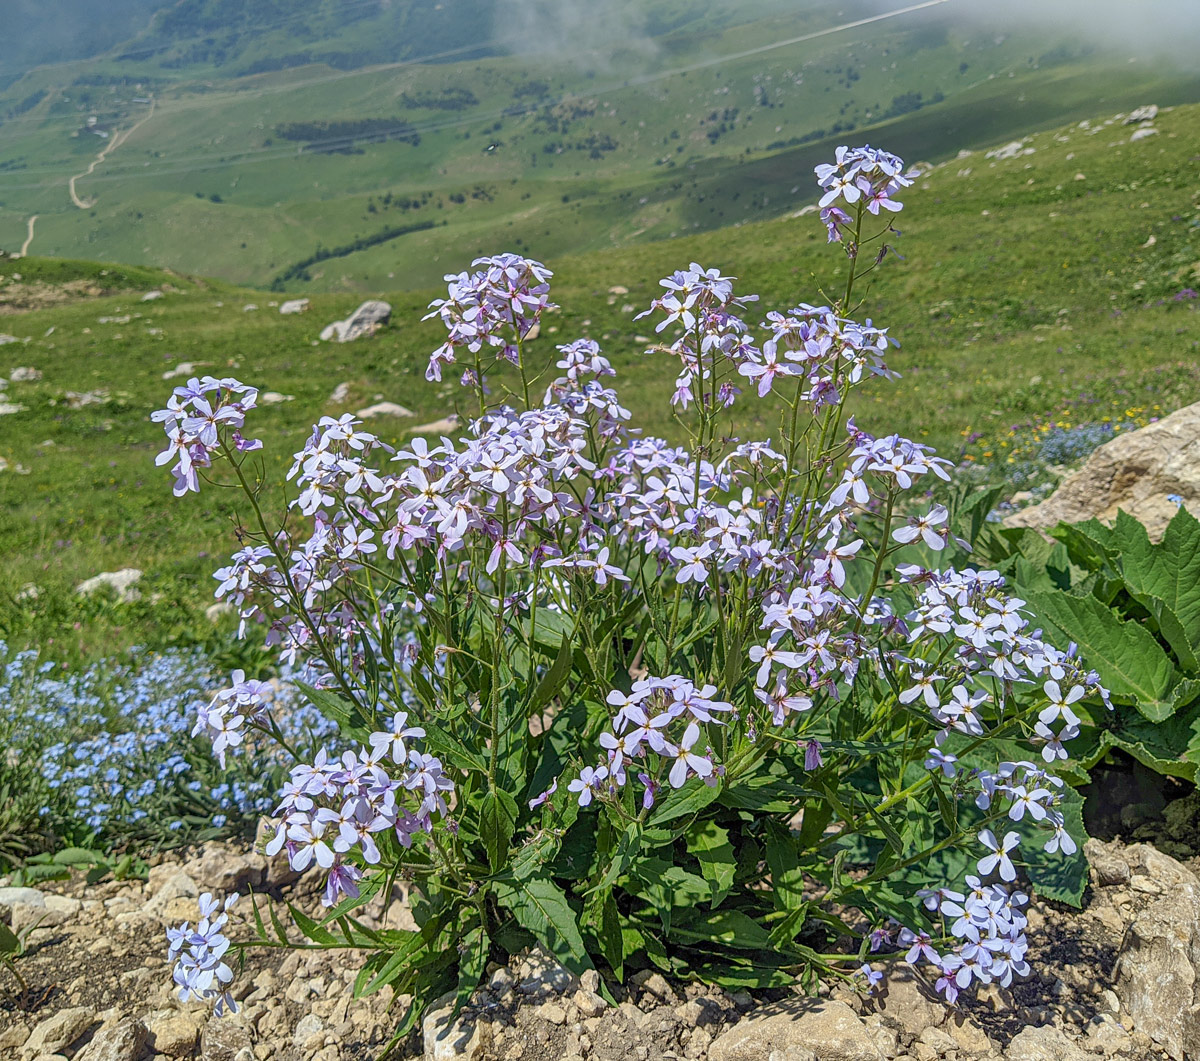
(366, 320)
(1116, 980)
(1140, 471)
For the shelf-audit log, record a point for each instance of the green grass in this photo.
(1025, 290)
(208, 186)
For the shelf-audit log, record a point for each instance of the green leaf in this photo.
(552, 681)
(626, 849)
(9, 944)
(497, 821)
(731, 928)
(540, 906)
(610, 936)
(1165, 578)
(787, 880)
(312, 929)
(691, 799)
(352, 720)
(710, 844)
(452, 751)
(1130, 661)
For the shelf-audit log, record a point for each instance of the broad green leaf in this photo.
(690, 799)
(9, 943)
(610, 936)
(1130, 661)
(541, 907)
(497, 821)
(710, 844)
(731, 928)
(787, 879)
(1165, 578)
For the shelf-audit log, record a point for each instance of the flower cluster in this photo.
(655, 729)
(859, 175)
(196, 420)
(496, 306)
(331, 808)
(201, 972)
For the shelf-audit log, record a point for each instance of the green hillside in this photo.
(353, 146)
(1054, 280)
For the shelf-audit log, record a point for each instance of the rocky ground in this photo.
(1115, 980)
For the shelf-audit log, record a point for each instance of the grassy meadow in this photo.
(1054, 284)
(712, 116)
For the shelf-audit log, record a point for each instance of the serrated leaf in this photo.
(497, 821)
(710, 844)
(1129, 660)
(540, 906)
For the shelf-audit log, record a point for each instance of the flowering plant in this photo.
(705, 707)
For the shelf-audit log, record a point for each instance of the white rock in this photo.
(250, 307)
(617, 289)
(1158, 967)
(184, 368)
(274, 398)
(366, 320)
(179, 885)
(462, 1040)
(436, 426)
(1010, 150)
(152, 296)
(6, 339)
(121, 582)
(796, 1031)
(25, 374)
(1142, 133)
(59, 1031)
(1046, 1043)
(295, 305)
(123, 1041)
(214, 613)
(1142, 114)
(383, 409)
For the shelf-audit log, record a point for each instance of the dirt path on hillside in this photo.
(116, 138)
(28, 236)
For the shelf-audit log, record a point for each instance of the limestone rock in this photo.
(366, 320)
(907, 999)
(25, 374)
(1157, 974)
(1142, 114)
(294, 305)
(1047, 1043)
(223, 1038)
(339, 394)
(60, 1031)
(541, 975)
(175, 1034)
(123, 1041)
(450, 1041)
(1136, 471)
(802, 1030)
(10, 897)
(121, 582)
(438, 427)
(152, 296)
(383, 409)
(179, 885)
(221, 869)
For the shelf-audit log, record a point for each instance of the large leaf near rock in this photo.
(1165, 578)
(1131, 663)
